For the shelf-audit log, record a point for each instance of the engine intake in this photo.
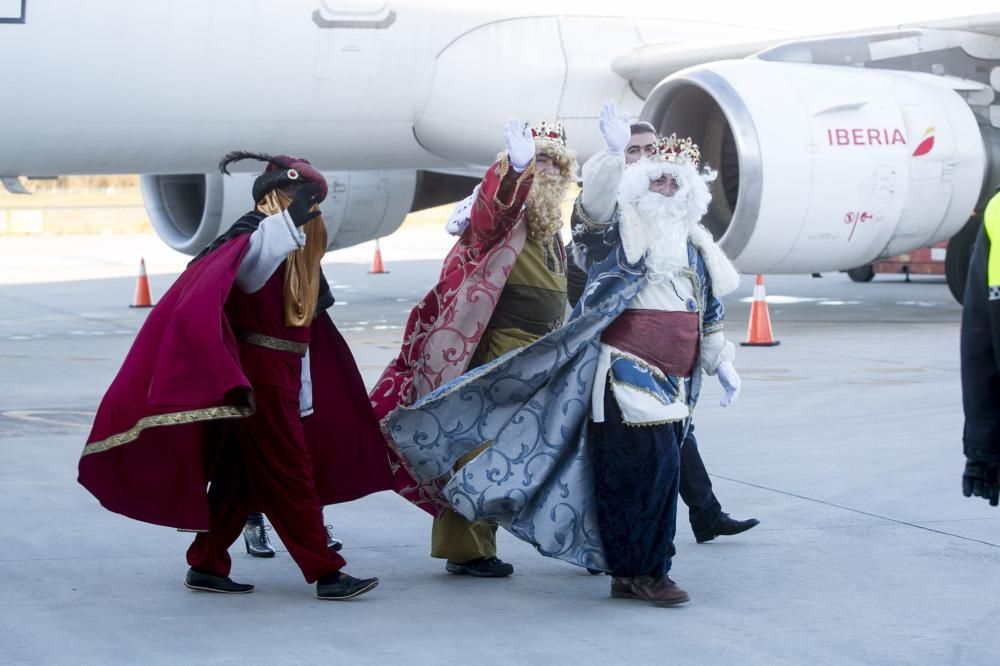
(824, 167)
(189, 211)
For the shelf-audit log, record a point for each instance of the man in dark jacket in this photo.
(981, 363)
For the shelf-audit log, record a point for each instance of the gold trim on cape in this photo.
(157, 420)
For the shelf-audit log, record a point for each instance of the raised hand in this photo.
(304, 205)
(615, 128)
(520, 144)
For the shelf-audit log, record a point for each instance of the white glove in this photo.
(730, 383)
(615, 128)
(520, 144)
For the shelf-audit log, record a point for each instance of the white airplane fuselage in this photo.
(168, 87)
(389, 97)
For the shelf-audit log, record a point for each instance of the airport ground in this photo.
(845, 442)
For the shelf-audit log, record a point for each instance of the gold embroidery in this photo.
(716, 327)
(588, 223)
(619, 355)
(157, 420)
(277, 344)
(643, 424)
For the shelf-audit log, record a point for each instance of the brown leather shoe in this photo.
(659, 590)
(621, 588)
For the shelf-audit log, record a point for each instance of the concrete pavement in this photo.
(846, 443)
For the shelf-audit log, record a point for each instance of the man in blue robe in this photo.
(583, 428)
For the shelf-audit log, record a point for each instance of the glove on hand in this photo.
(730, 383)
(982, 479)
(301, 208)
(520, 144)
(615, 128)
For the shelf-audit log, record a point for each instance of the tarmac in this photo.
(845, 443)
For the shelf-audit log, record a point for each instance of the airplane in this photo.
(835, 146)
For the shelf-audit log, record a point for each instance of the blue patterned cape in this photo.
(531, 406)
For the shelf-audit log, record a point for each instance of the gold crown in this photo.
(549, 135)
(672, 149)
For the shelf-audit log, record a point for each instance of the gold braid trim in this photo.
(589, 223)
(504, 167)
(157, 420)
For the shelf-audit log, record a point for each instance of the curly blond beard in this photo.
(543, 208)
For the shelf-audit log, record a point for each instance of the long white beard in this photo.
(668, 226)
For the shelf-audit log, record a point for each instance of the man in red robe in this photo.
(502, 286)
(239, 378)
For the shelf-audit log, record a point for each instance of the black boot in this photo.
(340, 587)
(206, 582)
(331, 542)
(482, 567)
(725, 526)
(255, 538)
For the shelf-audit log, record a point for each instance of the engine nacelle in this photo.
(189, 211)
(824, 167)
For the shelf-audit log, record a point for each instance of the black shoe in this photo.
(206, 582)
(725, 526)
(332, 543)
(483, 567)
(340, 586)
(255, 538)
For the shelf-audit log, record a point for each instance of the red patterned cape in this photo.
(445, 326)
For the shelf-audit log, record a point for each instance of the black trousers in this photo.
(696, 488)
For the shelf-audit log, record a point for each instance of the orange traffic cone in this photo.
(759, 328)
(142, 298)
(377, 266)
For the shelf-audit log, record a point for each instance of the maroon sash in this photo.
(665, 340)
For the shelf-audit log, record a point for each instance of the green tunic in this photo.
(533, 301)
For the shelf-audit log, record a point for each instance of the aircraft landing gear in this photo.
(864, 273)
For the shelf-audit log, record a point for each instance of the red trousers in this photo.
(264, 465)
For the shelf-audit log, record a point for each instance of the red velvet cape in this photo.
(159, 425)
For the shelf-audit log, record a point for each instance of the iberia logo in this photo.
(927, 144)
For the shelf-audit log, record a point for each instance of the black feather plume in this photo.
(238, 155)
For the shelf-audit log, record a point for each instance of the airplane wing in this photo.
(647, 65)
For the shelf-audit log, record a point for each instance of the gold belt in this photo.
(277, 344)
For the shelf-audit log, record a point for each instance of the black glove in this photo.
(982, 480)
(301, 208)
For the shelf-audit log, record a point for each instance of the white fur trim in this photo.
(721, 271)
(462, 214)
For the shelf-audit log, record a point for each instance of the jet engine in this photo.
(188, 211)
(824, 167)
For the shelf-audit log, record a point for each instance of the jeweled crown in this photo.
(672, 149)
(549, 134)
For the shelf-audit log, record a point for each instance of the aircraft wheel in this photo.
(864, 273)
